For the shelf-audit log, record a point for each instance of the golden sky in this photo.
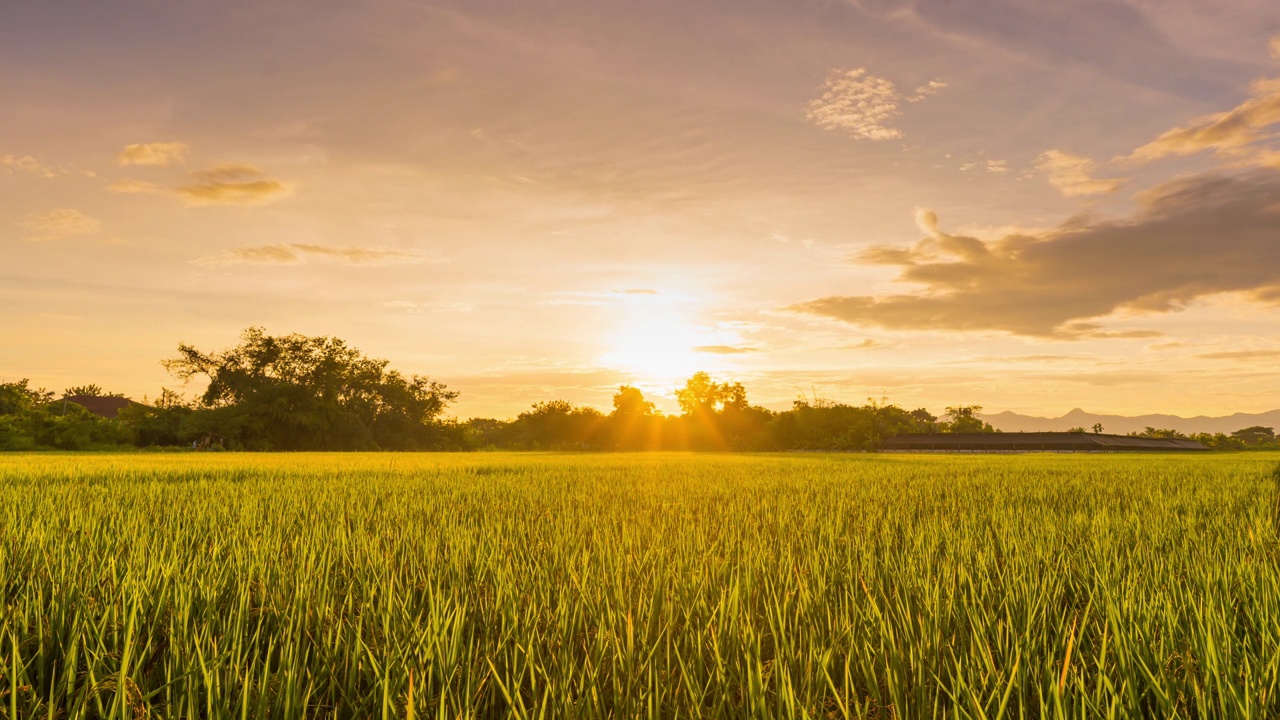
(1025, 205)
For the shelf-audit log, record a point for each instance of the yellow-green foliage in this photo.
(679, 586)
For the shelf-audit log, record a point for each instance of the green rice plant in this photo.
(639, 586)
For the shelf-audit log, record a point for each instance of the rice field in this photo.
(639, 586)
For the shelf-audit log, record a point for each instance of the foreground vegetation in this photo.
(651, 585)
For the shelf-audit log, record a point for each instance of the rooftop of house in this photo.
(1037, 441)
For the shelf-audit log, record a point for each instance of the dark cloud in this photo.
(1192, 238)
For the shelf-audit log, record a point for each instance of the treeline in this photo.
(1250, 438)
(296, 392)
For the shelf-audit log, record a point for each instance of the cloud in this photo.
(998, 167)
(1192, 238)
(724, 349)
(860, 105)
(59, 224)
(639, 291)
(136, 187)
(1275, 48)
(158, 154)
(1072, 175)
(1226, 132)
(1111, 37)
(1241, 355)
(295, 253)
(924, 91)
(29, 165)
(414, 308)
(231, 185)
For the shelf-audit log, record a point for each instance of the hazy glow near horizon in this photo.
(1022, 205)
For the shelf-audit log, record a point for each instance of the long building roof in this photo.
(1037, 441)
(107, 407)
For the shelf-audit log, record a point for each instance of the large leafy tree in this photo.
(634, 424)
(295, 392)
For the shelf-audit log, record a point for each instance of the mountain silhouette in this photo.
(1122, 424)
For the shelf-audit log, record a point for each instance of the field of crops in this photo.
(625, 586)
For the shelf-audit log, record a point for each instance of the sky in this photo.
(1023, 205)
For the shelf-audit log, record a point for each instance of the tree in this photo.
(718, 415)
(700, 395)
(1256, 435)
(923, 415)
(295, 392)
(558, 425)
(1097, 428)
(90, 390)
(964, 419)
(160, 423)
(629, 402)
(1150, 432)
(634, 423)
(19, 397)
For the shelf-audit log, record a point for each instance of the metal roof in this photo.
(107, 407)
(1031, 441)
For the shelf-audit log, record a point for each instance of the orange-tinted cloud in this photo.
(29, 165)
(1241, 355)
(1193, 238)
(930, 88)
(157, 154)
(1223, 132)
(232, 185)
(295, 253)
(859, 105)
(724, 349)
(1072, 175)
(59, 224)
(136, 187)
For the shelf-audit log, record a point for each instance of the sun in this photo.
(655, 343)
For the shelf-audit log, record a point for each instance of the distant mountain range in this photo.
(1121, 425)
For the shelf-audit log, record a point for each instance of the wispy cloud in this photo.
(930, 88)
(1241, 355)
(422, 308)
(1226, 132)
(156, 154)
(1275, 48)
(59, 224)
(867, 344)
(998, 167)
(859, 105)
(1072, 175)
(137, 187)
(1112, 37)
(30, 166)
(724, 349)
(231, 185)
(296, 253)
(1193, 238)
